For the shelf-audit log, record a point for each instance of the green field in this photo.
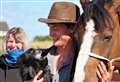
(42, 44)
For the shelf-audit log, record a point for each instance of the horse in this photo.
(105, 38)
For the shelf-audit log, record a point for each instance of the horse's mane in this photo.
(98, 13)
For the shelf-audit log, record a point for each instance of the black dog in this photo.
(34, 60)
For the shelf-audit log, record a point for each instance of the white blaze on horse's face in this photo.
(84, 51)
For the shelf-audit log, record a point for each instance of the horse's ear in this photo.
(84, 1)
(118, 12)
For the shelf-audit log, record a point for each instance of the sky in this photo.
(25, 14)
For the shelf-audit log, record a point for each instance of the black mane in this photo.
(95, 10)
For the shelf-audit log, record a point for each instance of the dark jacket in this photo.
(9, 73)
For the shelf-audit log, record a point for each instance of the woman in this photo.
(16, 43)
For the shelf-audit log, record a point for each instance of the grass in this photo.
(42, 44)
(1, 52)
(1, 47)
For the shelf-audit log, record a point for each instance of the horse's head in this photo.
(106, 41)
(104, 25)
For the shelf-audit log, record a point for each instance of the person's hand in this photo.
(38, 77)
(105, 75)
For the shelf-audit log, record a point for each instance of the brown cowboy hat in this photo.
(62, 12)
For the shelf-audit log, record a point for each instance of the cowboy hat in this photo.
(62, 12)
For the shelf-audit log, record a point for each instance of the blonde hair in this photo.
(19, 35)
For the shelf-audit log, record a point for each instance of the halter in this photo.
(102, 58)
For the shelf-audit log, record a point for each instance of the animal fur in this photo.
(34, 60)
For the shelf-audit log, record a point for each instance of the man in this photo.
(62, 22)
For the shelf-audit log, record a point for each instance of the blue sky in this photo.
(25, 14)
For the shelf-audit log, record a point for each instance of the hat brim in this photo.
(54, 21)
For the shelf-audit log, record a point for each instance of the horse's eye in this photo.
(107, 38)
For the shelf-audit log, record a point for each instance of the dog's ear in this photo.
(30, 51)
(25, 56)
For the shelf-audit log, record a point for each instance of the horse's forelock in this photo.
(101, 16)
(96, 11)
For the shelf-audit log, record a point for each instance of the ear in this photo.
(30, 51)
(84, 1)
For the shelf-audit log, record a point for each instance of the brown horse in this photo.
(106, 42)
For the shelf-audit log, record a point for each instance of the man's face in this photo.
(57, 30)
(60, 33)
